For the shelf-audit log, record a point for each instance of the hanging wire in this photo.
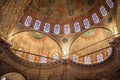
(41, 57)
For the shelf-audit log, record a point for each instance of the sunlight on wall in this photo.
(116, 32)
(65, 51)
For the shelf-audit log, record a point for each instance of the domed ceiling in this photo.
(64, 12)
(70, 13)
(39, 40)
(60, 10)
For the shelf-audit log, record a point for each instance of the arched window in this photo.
(110, 3)
(95, 18)
(67, 29)
(86, 23)
(37, 24)
(57, 29)
(75, 58)
(109, 51)
(43, 59)
(47, 27)
(77, 27)
(87, 60)
(103, 11)
(31, 57)
(28, 21)
(55, 56)
(100, 58)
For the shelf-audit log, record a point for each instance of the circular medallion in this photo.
(65, 40)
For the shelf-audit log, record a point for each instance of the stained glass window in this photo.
(77, 27)
(109, 51)
(67, 29)
(95, 18)
(31, 57)
(43, 59)
(86, 23)
(28, 21)
(110, 3)
(100, 58)
(55, 57)
(87, 60)
(57, 29)
(37, 24)
(75, 58)
(47, 27)
(103, 11)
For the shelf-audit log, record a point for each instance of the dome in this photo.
(53, 30)
(59, 39)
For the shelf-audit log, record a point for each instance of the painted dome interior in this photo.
(52, 30)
